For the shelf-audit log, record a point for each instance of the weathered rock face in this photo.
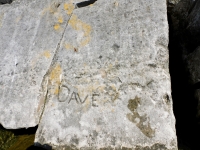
(92, 76)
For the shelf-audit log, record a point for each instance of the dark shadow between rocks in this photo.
(38, 146)
(184, 102)
(22, 131)
(5, 2)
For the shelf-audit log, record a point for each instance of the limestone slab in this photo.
(109, 84)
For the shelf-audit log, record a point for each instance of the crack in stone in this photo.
(51, 64)
(45, 100)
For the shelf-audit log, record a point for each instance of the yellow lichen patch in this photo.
(55, 73)
(60, 19)
(36, 60)
(55, 78)
(86, 28)
(47, 54)
(56, 26)
(85, 41)
(74, 22)
(56, 89)
(69, 7)
(52, 9)
(68, 46)
(77, 24)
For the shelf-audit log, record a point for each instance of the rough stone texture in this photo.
(99, 72)
(28, 44)
(106, 80)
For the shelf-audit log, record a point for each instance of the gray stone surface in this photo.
(109, 83)
(28, 44)
(100, 73)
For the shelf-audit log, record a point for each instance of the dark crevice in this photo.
(196, 86)
(85, 3)
(38, 146)
(5, 2)
(181, 43)
(22, 131)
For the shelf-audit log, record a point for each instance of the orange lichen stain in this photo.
(56, 26)
(55, 78)
(60, 19)
(69, 7)
(52, 9)
(36, 60)
(77, 24)
(113, 110)
(56, 90)
(47, 54)
(68, 46)
(85, 41)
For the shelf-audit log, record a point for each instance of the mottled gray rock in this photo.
(99, 72)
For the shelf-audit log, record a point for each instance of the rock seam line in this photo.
(46, 75)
